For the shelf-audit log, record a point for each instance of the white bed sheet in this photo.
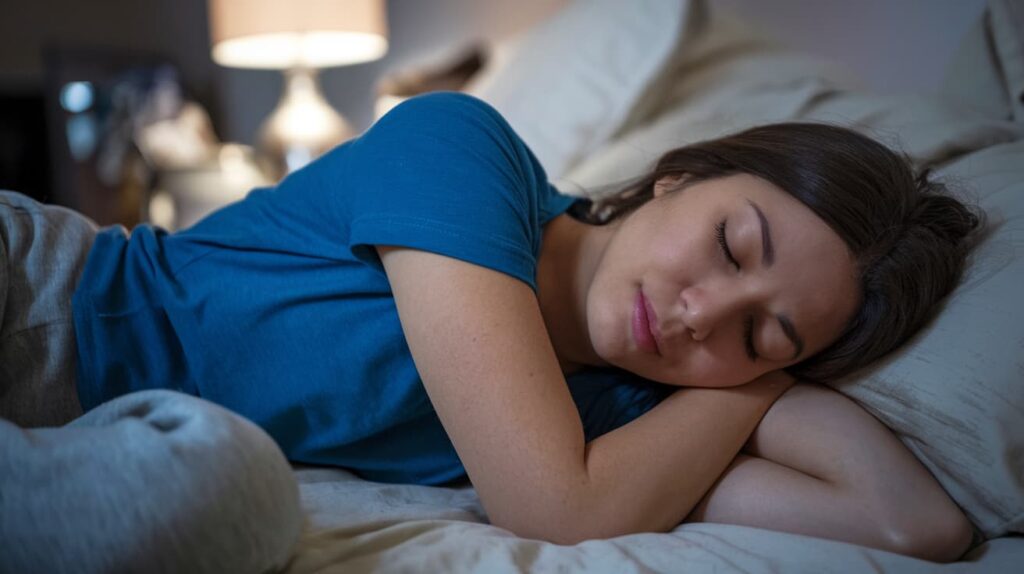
(356, 526)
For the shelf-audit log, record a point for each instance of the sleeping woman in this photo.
(421, 306)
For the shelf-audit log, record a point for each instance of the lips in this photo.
(643, 317)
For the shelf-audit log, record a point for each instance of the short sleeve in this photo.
(445, 173)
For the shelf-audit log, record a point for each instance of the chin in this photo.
(608, 349)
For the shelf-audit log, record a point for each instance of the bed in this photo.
(598, 91)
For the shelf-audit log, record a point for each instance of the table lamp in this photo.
(299, 37)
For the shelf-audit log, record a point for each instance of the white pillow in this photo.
(929, 131)
(716, 110)
(987, 72)
(955, 393)
(1006, 17)
(569, 82)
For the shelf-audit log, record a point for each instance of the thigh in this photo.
(43, 249)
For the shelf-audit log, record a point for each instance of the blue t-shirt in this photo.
(278, 308)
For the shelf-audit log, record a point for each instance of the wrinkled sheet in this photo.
(356, 526)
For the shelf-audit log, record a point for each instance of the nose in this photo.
(706, 308)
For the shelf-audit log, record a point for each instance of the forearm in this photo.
(820, 465)
(647, 475)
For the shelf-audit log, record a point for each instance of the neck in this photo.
(569, 257)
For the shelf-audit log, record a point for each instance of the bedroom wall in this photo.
(420, 30)
(895, 46)
(239, 99)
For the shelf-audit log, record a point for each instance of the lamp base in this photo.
(302, 126)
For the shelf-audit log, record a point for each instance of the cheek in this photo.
(603, 320)
(609, 298)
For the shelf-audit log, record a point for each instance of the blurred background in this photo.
(119, 109)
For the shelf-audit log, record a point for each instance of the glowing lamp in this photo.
(298, 37)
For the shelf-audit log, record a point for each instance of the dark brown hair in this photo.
(909, 237)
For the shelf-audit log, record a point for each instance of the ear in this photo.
(666, 184)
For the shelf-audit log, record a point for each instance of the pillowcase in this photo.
(716, 109)
(1006, 18)
(928, 130)
(987, 71)
(955, 393)
(569, 82)
(774, 86)
(973, 77)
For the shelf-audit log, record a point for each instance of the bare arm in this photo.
(480, 345)
(820, 465)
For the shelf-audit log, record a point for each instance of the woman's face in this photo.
(718, 283)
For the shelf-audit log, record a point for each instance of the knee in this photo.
(219, 488)
(250, 501)
(242, 500)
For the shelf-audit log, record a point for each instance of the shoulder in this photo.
(441, 105)
(453, 144)
(447, 116)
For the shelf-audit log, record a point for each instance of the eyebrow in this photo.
(767, 247)
(767, 259)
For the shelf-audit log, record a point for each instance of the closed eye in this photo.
(748, 323)
(720, 236)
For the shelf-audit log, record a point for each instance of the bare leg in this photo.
(820, 465)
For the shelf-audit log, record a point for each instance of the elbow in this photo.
(942, 540)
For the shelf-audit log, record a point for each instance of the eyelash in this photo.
(748, 323)
(720, 236)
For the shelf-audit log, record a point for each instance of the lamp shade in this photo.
(281, 34)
